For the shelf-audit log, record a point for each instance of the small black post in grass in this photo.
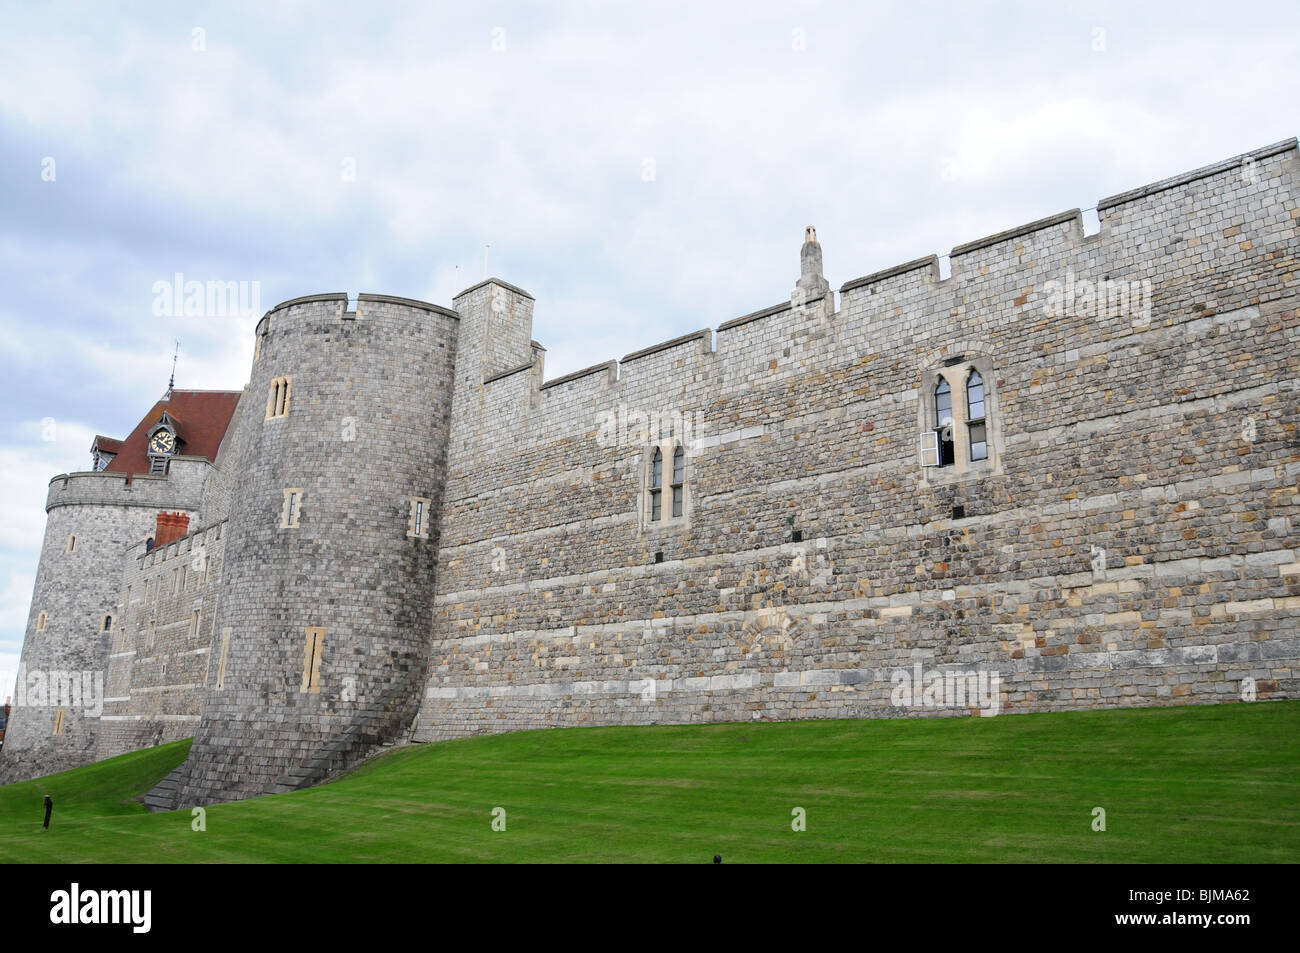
(49, 809)
(717, 858)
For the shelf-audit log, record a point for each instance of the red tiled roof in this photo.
(106, 444)
(201, 418)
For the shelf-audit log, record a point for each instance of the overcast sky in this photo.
(644, 170)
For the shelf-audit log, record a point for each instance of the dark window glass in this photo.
(979, 447)
(975, 396)
(946, 453)
(657, 469)
(942, 403)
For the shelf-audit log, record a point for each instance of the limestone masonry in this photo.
(1063, 477)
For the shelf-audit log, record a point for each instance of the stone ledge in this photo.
(1204, 172)
(755, 315)
(930, 261)
(705, 334)
(335, 296)
(495, 281)
(409, 303)
(611, 367)
(1019, 231)
(508, 372)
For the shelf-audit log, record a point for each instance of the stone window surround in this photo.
(666, 519)
(72, 543)
(279, 397)
(962, 467)
(225, 654)
(313, 649)
(42, 618)
(423, 531)
(297, 510)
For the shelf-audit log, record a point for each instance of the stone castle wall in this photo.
(76, 590)
(161, 656)
(1129, 540)
(366, 431)
(1118, 436)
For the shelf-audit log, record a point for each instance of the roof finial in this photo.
(812, 290)
(172, 382)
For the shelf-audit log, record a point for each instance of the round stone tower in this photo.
(76, 614)
(322, 636)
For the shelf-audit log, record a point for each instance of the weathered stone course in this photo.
(1129, 541)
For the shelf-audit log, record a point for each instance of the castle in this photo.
(1070, 466)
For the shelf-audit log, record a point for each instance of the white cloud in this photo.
(898, 132)
(15, 600)
(39, 450)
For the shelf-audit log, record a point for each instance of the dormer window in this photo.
(102, 452)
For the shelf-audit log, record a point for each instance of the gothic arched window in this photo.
(679, 478)
(979, 442)
(943, 421)
(656, 484)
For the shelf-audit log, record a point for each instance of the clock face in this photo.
(164, 441)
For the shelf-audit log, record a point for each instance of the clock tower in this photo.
(162, 444)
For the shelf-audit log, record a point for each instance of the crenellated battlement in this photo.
(184, 482)
(194, 539)
(1123, 535)
(742, 522)
(1023, 258)
(1050, 244)
(307, 308)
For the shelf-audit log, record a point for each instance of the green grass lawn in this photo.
(1206, 784)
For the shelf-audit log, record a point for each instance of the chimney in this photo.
(171, 526)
